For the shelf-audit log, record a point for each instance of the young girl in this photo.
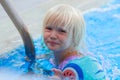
(64, 32)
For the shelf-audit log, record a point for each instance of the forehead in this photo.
(55, 20)
(59, 21)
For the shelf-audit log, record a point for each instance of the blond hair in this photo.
(72, 20)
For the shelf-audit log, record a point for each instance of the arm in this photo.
(84, 69)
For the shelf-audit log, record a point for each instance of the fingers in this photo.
(57, 72)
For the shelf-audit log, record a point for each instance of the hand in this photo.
(58, 73)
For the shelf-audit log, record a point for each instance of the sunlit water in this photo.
(103, 40)
(104, 37)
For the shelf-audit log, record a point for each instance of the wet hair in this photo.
(71, 19)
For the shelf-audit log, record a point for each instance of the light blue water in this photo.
(103, 40)
(103, 35)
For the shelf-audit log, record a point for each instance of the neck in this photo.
(60, 56)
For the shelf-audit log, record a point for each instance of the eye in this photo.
(48, 28)
(61, 30)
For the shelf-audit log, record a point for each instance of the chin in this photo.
(54, 49)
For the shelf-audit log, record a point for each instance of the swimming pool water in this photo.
(103, 40)
(103, 35)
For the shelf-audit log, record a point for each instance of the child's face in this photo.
(56, 38)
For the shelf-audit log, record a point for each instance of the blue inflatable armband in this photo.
(85, 68)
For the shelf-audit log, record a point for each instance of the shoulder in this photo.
(85, 68)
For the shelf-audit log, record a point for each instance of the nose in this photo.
(53, 35)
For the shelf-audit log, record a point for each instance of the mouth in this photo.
(52, 42)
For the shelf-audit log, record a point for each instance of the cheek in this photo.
(63, 38)
(66, 39)
(45, 36)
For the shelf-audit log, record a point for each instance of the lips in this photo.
(52, 42)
